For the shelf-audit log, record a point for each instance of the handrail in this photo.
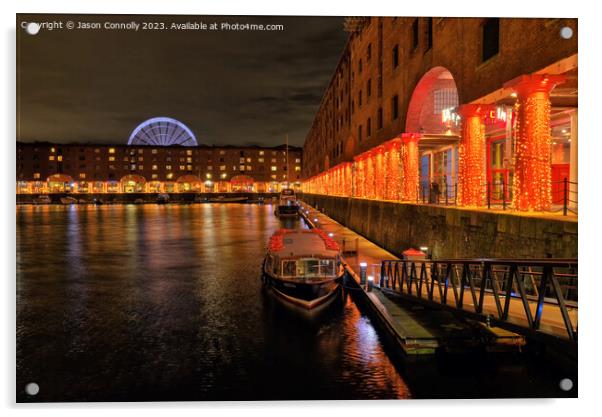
(534, 283)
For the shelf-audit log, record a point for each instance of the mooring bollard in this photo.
(370, 283)
(363, 267)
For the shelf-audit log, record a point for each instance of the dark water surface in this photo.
(149, 302)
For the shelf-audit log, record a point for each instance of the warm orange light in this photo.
(532, 181)
(409, 166)
(471, 156)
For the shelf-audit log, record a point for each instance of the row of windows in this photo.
(189, 159)
(169, 176)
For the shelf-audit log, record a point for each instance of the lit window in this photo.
(155, 167)
(168, 167)
(248, 159)
(261, 152)
(260, 160)
(182, 167)
(111, 158)
(96, 150)
(111, 150)
(274, 168)
(242, 168)
(36, 175)
(222, 168)
(140, 167)
(51, 149)
(297, 168)
(82, 175)
(59, 158)
(222, 152)
(189, 167)
(210, 168)
(154, 151)
(208, 176)
(273, 177)
(51, 158)
(140, 158)
(170, 175)
(140, 150)
(298, 160)
(223, 175)
(188, 152)
(189, 160)
(273, 160)
(154, 176)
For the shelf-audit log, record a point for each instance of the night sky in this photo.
(228, 87)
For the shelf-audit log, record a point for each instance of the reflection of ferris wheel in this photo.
(162, 131)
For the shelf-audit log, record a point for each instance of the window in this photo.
(222, 152)
(395, 107)
(170, 175)
(188, 152)
(298, 160)
(154, 176)
(273, 168)
(359, 99)
(140, 167)
(154, 151)
(369, 53)
(154, 167)
(222, 167)
(182, 167)
(260, 160)
(369, 128)
(111, 158)
(395, 56)
(369, 88)
(297, 168)
(444, 98)
(360, 66)
(359, 133)
(261, 153)
(82, 175)
(491, 38)
(379, 118)
(36, 175)
(415, 34)
(51, 158)
(429, 33)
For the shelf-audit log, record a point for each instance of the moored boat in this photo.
(303, 266)
(163, 199)
(68, 200)
(222, 199)
(42, 199)
(287, 204)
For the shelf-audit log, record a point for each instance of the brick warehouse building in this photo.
(92, 168)
(466, 109)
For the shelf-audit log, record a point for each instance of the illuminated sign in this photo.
(450, 117)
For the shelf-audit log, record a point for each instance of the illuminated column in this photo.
(471, 156)
(532, 184)
(393, 169)
(369, 178)
(359, 177)
(379, 173)
(410, 178)
(573, 162)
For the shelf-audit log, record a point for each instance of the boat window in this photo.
(276, 268)
(308, 267)
(289, 268)
(326, 267)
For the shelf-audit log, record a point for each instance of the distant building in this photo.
(448, 101)
(91, 168)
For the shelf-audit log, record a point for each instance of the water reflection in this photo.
(165, 302)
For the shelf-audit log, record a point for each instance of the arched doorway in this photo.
(59, 183)
(189, 183)
(132, 183)
(431, 114)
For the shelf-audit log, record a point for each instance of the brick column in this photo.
(410, 177)
(471, 156)
(532, 187)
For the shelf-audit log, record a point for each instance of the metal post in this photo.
(363, 267)
(446, 196)
(370, 283)
(564, 202)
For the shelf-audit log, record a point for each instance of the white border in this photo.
(590, 187)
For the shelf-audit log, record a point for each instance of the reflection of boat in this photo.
(68, 200)
(98, 201)
(138, 201)
(163, 199)
(42, 199)
(287, 204)
(303, 266)
(222, 199)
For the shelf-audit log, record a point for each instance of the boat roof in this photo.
(295, 242)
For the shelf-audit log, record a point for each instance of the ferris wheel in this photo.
(162, 131)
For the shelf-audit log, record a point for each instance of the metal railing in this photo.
(498, 195)
(535, 286)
